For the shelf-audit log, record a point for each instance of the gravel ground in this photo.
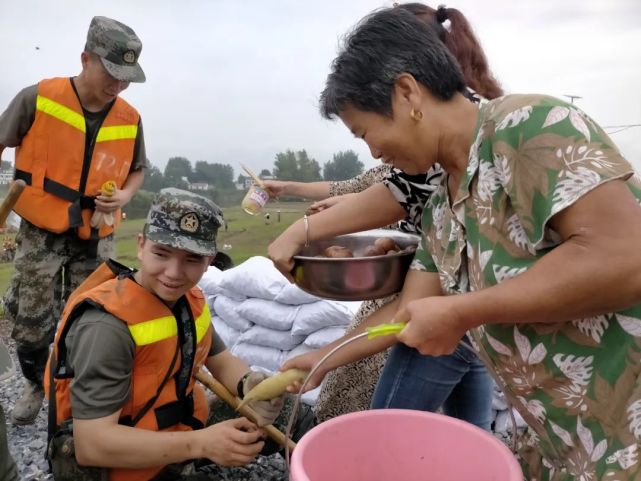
(27, 443)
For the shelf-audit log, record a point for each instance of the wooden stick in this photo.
(254, 177)
(222, 392)
(17, 186)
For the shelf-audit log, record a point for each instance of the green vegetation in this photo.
(218, 179)
(247, 235)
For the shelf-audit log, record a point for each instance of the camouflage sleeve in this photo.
(16, 120)
(101, 355)
(360, 182)
(140, 153)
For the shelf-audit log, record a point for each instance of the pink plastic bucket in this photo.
(401, 445)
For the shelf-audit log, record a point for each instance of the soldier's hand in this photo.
(108, 204)
(231, 443)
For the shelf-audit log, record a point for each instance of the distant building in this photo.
(249, 181)
(198, 186)
(6, 176)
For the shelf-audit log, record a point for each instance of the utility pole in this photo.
(572, 97)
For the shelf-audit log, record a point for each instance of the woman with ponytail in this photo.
(458, 383)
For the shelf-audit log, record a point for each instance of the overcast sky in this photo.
(238, 80)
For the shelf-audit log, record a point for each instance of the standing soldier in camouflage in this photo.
(73, 137)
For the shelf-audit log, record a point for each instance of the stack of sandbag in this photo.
(502, 424)
(265, 320)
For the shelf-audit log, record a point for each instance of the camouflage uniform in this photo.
(35, 295)
(39, 259)
(118, 47)
(178, 218)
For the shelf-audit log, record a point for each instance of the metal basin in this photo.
(356, 278)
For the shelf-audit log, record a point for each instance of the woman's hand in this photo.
(434, 327)
(306, 362)
(326, 203)
(275, 188)
(283, 249)
(235, 442)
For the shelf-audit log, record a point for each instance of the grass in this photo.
(246, 235)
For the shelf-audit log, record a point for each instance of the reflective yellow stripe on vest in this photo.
(156, 330)
(60, 112)
(117, 132)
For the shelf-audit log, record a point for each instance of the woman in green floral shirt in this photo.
(534, 233)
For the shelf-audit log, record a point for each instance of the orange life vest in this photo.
(51, 159)
(154, 329)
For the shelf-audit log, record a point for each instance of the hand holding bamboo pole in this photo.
(222, 392)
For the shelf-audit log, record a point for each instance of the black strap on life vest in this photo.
(79, 202)
(181, 411)
(133, 420)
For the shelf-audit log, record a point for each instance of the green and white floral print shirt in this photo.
(577, 384)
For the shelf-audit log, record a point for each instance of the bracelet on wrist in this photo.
(306, 223)
(241, 382)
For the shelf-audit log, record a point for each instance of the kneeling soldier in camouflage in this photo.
(122, 373)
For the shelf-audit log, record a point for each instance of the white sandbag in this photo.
(228, 334)
(311, 397)
(13, 222)
(210, 285)
(228, 309)
(263, 336)
(256, 277)
(298, 351)
(324, 336)
(294, 295)
(352, 306)
(503, 422)
(499, 402)
(265, 357)
(269, 314)
(317, 315)
(210, 280)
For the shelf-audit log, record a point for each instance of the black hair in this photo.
(384, 45)
(460, 40)
(222, 261)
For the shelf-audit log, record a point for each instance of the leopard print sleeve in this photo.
(412, 191)
(360, 182)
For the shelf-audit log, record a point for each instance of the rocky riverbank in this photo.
(27, 443)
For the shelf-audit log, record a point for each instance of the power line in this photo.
(620, 128)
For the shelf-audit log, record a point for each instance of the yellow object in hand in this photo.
(108, 189)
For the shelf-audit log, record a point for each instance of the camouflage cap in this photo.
(184, 220)
(118, 47)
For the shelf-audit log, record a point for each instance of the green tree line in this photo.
(217, 181)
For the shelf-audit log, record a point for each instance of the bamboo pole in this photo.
(222, 392)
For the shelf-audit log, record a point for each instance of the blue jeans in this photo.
(458, 382)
